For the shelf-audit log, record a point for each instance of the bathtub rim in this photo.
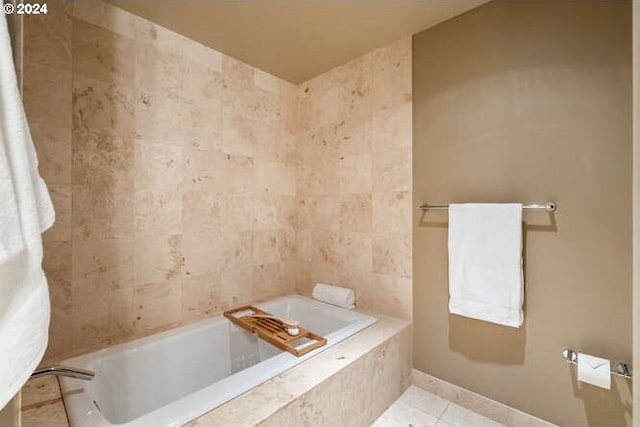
(80, 405)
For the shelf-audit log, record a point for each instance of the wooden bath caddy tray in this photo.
(274, 332)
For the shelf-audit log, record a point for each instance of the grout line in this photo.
(444, 410)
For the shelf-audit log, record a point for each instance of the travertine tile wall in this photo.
(186, 182)
(170, 168)
(354, 179)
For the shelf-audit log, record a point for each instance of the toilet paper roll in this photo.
(594, 370)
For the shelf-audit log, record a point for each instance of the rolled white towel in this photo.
(334, 295)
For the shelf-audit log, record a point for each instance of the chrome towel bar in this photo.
(622, 369)
(547, 206)
(64, 371)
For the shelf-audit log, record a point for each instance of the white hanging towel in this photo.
(25, 212)
(485, 262)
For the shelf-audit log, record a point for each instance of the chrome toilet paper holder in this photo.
(622, 369)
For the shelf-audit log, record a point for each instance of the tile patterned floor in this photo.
(419, 408)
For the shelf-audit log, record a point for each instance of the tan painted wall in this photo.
(10, 414)
(529, 101)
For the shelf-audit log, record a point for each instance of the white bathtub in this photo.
(173, 377)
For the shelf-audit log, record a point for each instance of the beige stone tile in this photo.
(56, 263)
(100, 213)
(332, 274)
(215, 251)
(356, 250)
(327, 247)
(167, 118)
(275, 178)
(158, 70)
(355, 174)
(348, 250)
(289, 112)
(236, 175)
(251, 121)
(61, 199)
(157, 306)
(158, 258)
(319, 212)
(102, 160)
(158, 166)
(121, 313)
(50, 415)
(55, 85)
(354, 137)
(236, 249)
(392, 170)
(304, 284)
(102, 107)
(388, 295)
(322, 405)
(391, 212)
(304, 244)
(102, 138)
(321, 178)
(391, 85)
(239, 211)
(234, 289)
(158, 211)
(47, 38)
(425, 401)
(202, 251)
(148, 33)
(392, 128)
(102, 265)
(202, 171)
(386, 362)
(521, 419)
(39, 390)
(53, 148)
(270, 212)
(319, 107)
(91, 319)
(238, 76)
(266, 81)
(203, 86)
(392, 254)
(271, 280)
(401, 414)
(458, 416)
(355, 212)
(106, 16)
(355, 94)
(101, 317)
(356, 392)
(388, 56)
(281, 148)
(204, 210)
(202, 55)
(480, 405)
(102, 54)
(270, 246)
(237, 134)
(201, 296)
